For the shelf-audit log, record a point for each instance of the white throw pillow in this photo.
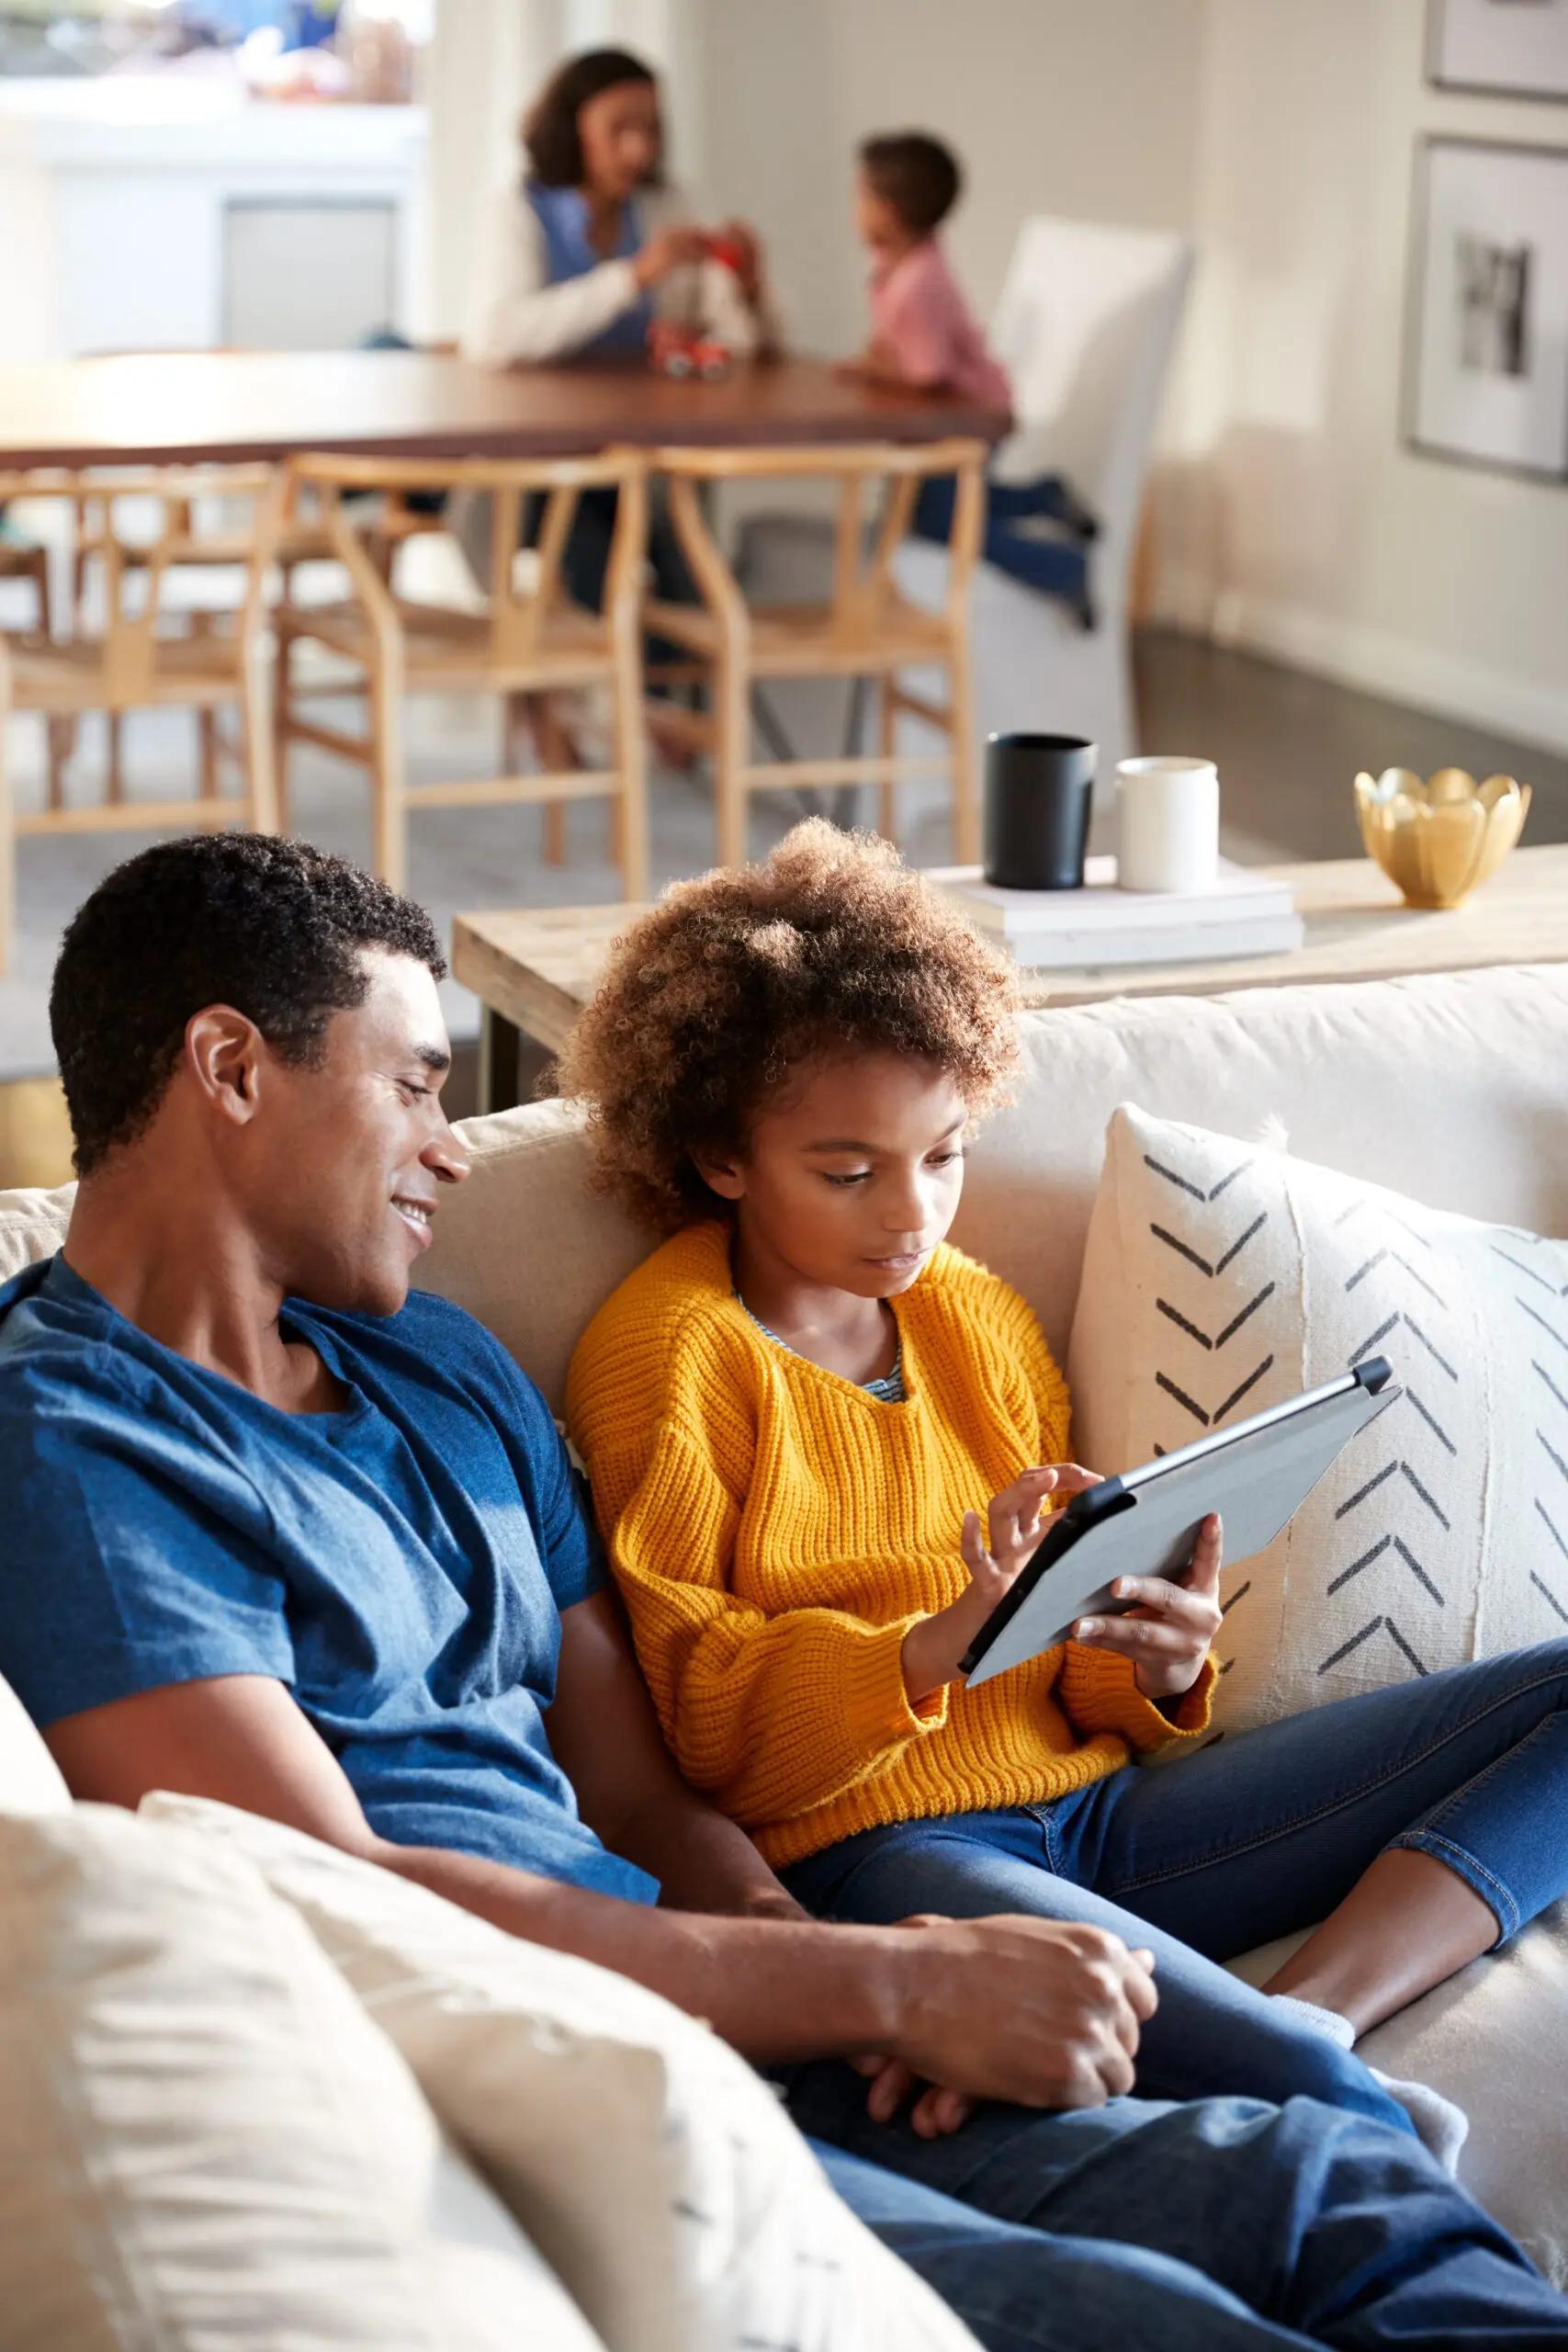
(1222, 1276)
(30, 1779)
(205, 2144)
(656, 2172)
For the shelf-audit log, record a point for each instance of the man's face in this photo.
(342, 1171)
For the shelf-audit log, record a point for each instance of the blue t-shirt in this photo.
(569, 252)
(400, 1564)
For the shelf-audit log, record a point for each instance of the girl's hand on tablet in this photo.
(1168, 1634)
(1015, 1526)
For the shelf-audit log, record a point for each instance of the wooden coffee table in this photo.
(534, 968)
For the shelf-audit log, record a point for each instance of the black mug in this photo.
(1038, 792)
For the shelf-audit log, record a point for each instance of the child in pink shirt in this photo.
(921, 331)
(923, 337)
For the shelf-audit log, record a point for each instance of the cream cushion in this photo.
(205, 2143)
(32, 1225)
(1307, 1267)
(655, 2171)
(30, 1779)
(1222, 1276)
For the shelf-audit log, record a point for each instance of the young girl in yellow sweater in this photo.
(821, 1441)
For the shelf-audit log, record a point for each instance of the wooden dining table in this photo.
(232, 407)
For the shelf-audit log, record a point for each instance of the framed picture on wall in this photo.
(1486, 374)
(1517, 48)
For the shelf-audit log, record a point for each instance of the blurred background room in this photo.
(1319, 438)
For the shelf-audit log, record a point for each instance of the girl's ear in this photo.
(726, 1177)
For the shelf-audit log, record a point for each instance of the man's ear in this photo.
(724, 1174)
(224, 1054)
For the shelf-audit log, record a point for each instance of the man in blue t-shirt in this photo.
(278, 1532)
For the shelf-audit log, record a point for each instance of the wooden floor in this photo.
(1287, 747)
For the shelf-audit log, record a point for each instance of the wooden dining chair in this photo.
(21, 560)
(300, 538)
(140, 658)
(529, 644)
(865, 629)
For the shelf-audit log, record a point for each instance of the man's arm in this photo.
(1026, 2009)
(605, 1737)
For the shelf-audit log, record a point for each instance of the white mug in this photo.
(1168, 823)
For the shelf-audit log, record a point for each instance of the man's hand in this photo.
(1045, 2012)
(1168, 1635)
(1015, 1530)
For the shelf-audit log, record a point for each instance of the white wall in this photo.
(1084, 107)
(1295, 521)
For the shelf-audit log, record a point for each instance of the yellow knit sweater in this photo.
(775, 1532)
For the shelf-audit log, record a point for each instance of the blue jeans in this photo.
(1225, 2226)
(1255, 1836)
(1052, 567)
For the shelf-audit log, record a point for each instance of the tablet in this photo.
(1257, 1476)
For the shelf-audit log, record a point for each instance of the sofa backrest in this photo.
(1453, 1088)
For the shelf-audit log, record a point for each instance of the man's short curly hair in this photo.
(274, 928)
(744, 977)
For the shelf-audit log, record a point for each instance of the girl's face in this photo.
(852, 1178)
(619, 134)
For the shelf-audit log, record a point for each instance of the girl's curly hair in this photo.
(747, 975)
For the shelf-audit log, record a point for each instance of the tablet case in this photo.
(1257, 1476)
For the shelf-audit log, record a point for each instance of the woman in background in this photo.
(578, 260)
(593, 243)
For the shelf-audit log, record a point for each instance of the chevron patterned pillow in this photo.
(1222, 1276)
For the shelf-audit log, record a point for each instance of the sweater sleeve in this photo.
(1099, 1692)
(771, 1713)
(515, 314)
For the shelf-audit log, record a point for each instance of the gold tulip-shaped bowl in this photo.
(1439, 841)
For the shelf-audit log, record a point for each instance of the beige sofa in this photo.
(1454, 1090)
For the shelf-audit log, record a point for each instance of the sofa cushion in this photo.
(32, 1225)
(205, 2143)
(1449, 1086)
(655, 2171)
(526, 1245)
(1222, 1276)
(30, 1779)
(1300, 1284)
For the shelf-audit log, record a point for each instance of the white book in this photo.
(1239, 895)
(1093, 948)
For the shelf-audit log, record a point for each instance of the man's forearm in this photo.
(775, 1989)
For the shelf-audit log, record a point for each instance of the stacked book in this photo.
(1241, 913)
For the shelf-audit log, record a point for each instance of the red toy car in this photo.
(677, 350)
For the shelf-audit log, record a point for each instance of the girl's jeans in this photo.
(1256, 1836)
